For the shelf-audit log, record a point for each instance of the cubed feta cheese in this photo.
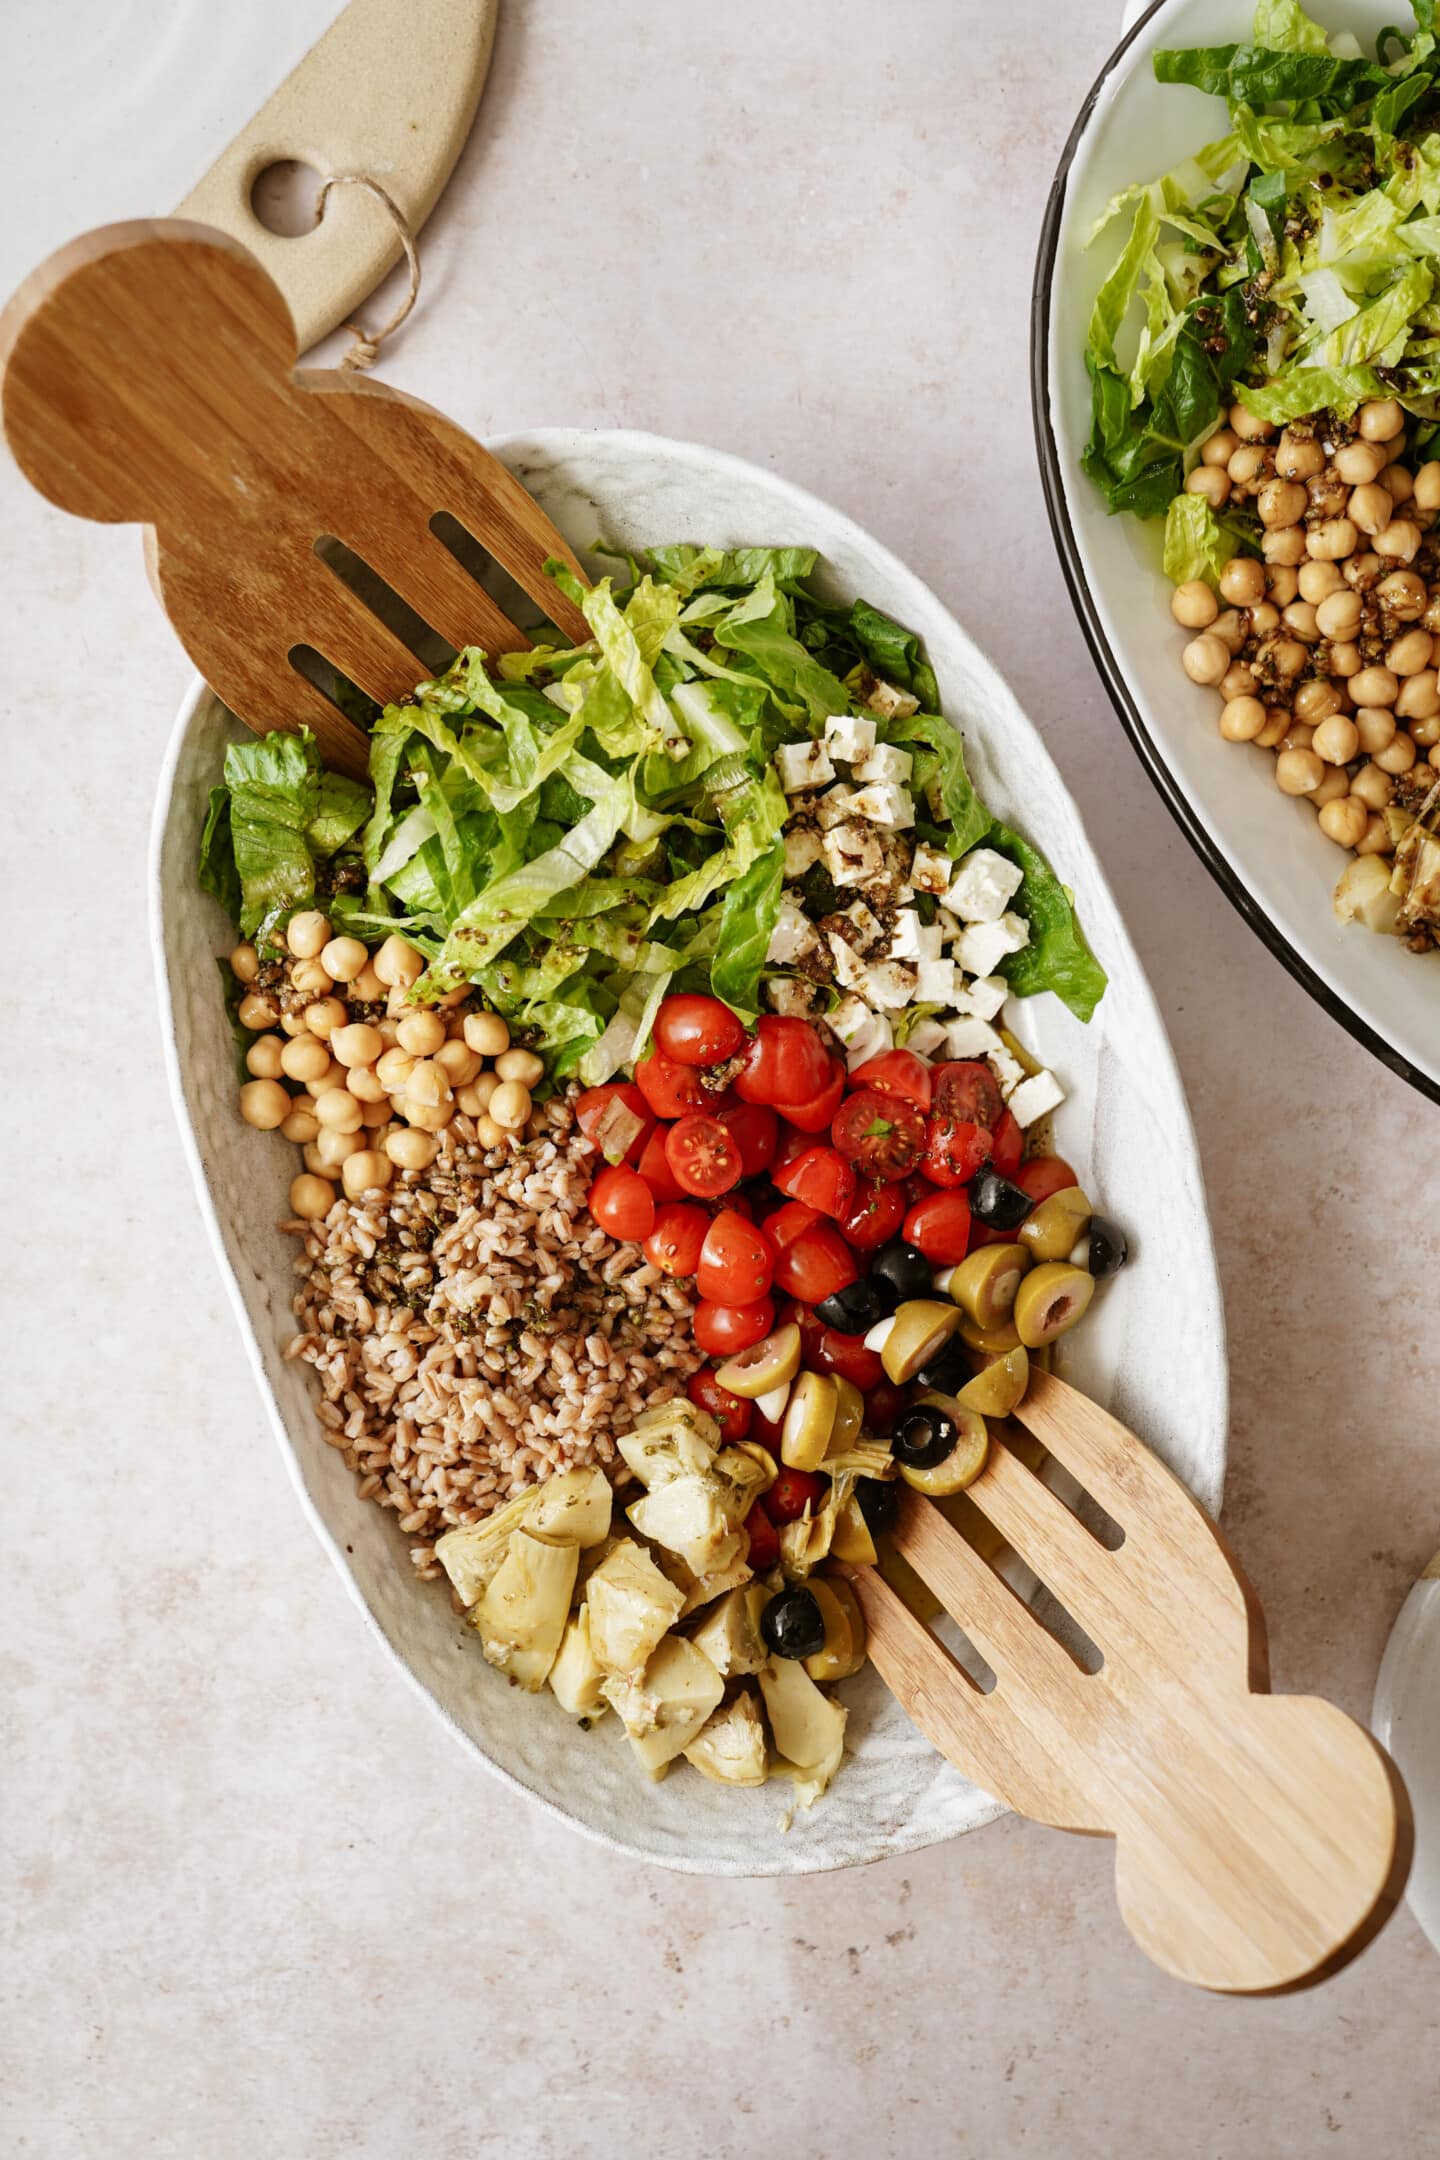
(950, 925)
(983, 886)
(931, 868)
(971, 1039)
(926, 1037)
(981, 947)
(852, 855)
(885, 762)
(935, 981)
(983, 997)
(884, 804)
(1007, 1070)
(868, 933)
(783, 995)
(864, 1033)
(802, 848)
(793, 934)
(834, 807)
(890, 984)
(849, 967)
(849, 737)
(913, 940)
(891, 702)
(803, 765)
(1042, 1092)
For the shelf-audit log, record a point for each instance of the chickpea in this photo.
(334, 1148)
(1431, 617)
(510, 1104)
(393, 1070)
(1399, 484)
(1242, 719)
(344, 958)
(1317, 580)
(1400, 540)
(365, 1084)
(338, 1110)
(1265, 618)
(1298, 457)
(1373, 787)
(257, 1010)
(1282, 581)
(428, 1084)
(410, 1150)
(1287, 657)
(1358, 463)
(398, 964)
(1374, 686)
(1212, 483)
(292, 1024)
(1327, 496)
(421, 1034)
(305, 1058)
(1299, 621)
(364, 1170)
(1375, 840)
(1298, 772)
(311, 1157)
(1250, 466)
(1242, 581)
(1381, 420)
(1205, 659)
(1411, 653)
(486, 1032)
(1298, 736)
(1284, 545)
(1338, 614)
(332, 1077)
(1403, 595)
(1328, 542)
(474, 1097)
(324, 1016)
(521, 1065)
(357, 1044)
(389, 1032)
(1427, 486)
(1344, 820)
(430, 1117)
(1335, 784)
(1345, 660)
(245, 963)
(377, 1115)
(311, 1197)
(1316, 701)
(1336, 740)
(265, 1104)
(1281, 502)
(1370, 508)
(1247, 427)
(1361, 570)
(1398, 755)
(1238, 681)
(458, 1062)
(1277, 721)
(301, 1125)
(263, 1058)
(307, 934)
(1433, 759)
(1231, 629)
(1425, 733)
(367, 986)
(1374, 728)
(1219, 448)
(488, 1133)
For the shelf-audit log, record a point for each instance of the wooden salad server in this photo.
(1261, 1840)
(147, 376)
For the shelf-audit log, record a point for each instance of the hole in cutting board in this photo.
(284, 196)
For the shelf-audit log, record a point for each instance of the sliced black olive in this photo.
(1109, 1247)
(947, 1373)
(924, 1437)
(879, 1502)
(854, 1309)
(793, 1624)
(997, 1203)
(905, 1268)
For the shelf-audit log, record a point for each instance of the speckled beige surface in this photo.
(257, 1902)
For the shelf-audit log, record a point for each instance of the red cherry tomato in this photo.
(591, 1108)
(739, 1204)
(954, 1150)
(896, 1072)
(654, 1165)
(623, 1204)
(792, 1492)
(764, 1542)
(847, 1355)
(720, 1330)
(1043, 1175)
(1007, 1145)
(730, 1412)
(816, 1264)
(812, 1330)
(967, 1092)
(814, 1116)
(737, 1262)
(756, 1130)
(785, 1063)
(883, 1405)
(702, 1155)
(671, 1088)
(821, 1178)
(767, 1432)
(674, 1243)
(696, 1030)
(883, 1136)
(875, 1216)
(940, 1226)
(785, 1225)
(792, 1142)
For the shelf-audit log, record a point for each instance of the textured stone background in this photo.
(260, 1904)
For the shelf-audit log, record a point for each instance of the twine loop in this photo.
(367, 343)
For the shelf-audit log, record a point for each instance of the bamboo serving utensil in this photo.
(1261, 1840)
(147, 375)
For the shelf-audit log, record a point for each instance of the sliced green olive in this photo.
(851, 1539)
(993, 1341)
(844, 1651)
(1050, 1300)
(999, 1386)
(809, 1421)
(849, 1415)
(769, 1364)
(965, 1460)
(1051, 1231)
(986, 1280)
(920, 1328)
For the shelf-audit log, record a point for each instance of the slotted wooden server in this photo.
(1261, 1840)
(147, 376)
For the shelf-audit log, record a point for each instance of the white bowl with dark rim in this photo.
(1153, 1345)
(1264, 849)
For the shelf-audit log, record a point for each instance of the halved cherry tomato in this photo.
(814, 1116)
(883, 1405)
(737, 1261)
(954, 1150)
(671, 1088)
(816, 1264)
(1007, 1145)
(896, 1072)
(792, 1492)
(757, 1133)
(785, 1225)
(674, 1243)
(720, 1329)
(940, 1226)
(821, 1178)
(792, 1142)
(654, 1165)
(847, 1355)
(785, 1063)
(697, 1030)
(591, 1108)
(766, 1432)
(876, 1213)
(883, 1136)
(764, 1543)
(702, 1155)
(622, 1203)
(731, 1412)
(1043, 1175)
(739, 1203)
(966, 1092)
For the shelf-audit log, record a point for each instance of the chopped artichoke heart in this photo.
(680, 1414)
(749, 1472)
(730, 1634)
(806, 1542)
(630, 1606)
(808, 1728)
(815, 1778)
(573, 1508)
(730, 1748)
(575, 1676)
(704, 1589)
(689, 1516)
(658, 1456)
(522, 1615)
(666, 1705)
(471, 1556)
